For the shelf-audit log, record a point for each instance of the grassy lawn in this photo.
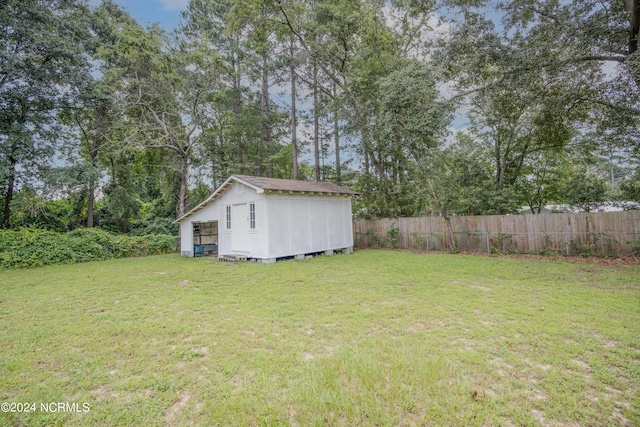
(373, 338)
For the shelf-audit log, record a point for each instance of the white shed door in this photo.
(240, 228)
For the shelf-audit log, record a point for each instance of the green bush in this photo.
(156, 226)
(28, 247)
(393, 233)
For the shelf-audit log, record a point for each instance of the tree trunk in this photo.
(182, 197)
(633, 7)
(635, 33)
(237, 111)
(238, 132)
(500, 166)
(378, 167)
(336, 137)
(436, 199)
(372, 158)
(90, 201)
(8, 195)
(500, 174)
(367, 166)
(266, 118)
(612, 174)
(260, 153)
(114, 178)
(316, 122)
(263, 118)
(91, 196)
(294, 138)
(270, 152)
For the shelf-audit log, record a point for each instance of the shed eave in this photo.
(215, 195)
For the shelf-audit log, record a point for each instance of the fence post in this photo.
(566, 242)
(488, 244)
(427, 235)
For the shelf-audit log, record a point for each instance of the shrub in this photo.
(393, 233)
(163, 226)
(28, 247)
(370, 239)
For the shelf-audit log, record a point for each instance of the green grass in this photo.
(374, 338)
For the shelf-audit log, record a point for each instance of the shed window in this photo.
(228, 217)
(252, 216)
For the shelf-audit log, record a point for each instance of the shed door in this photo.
(240, 228)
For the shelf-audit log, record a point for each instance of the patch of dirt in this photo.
(236, 382)
(330, 351)
(501, 372)
(618, 418)
(308, 330)
(292, 418)
(103, 393)
(533, 364)
(240, 380)
(477, 286)
(417, 327)
(538, 394)
(593, 398)
(611, 392)
(539, 416)
(205, 352)
(172, 410)
(582, 364)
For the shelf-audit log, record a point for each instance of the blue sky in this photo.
(164, 12)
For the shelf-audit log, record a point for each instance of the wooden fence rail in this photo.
(595, 233)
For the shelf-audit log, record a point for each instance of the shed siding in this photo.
(306, 224)
(237, 197)
(186, 238)
(285, 224)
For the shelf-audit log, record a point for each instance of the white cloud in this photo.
(611, 70)
(175, 4)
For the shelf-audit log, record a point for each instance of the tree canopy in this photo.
(449, 107)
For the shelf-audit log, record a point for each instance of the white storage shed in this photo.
(266, 219)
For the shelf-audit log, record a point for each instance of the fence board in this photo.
(598, 233)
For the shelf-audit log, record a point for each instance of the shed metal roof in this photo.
(274, 185)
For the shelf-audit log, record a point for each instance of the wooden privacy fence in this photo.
(596, 233)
